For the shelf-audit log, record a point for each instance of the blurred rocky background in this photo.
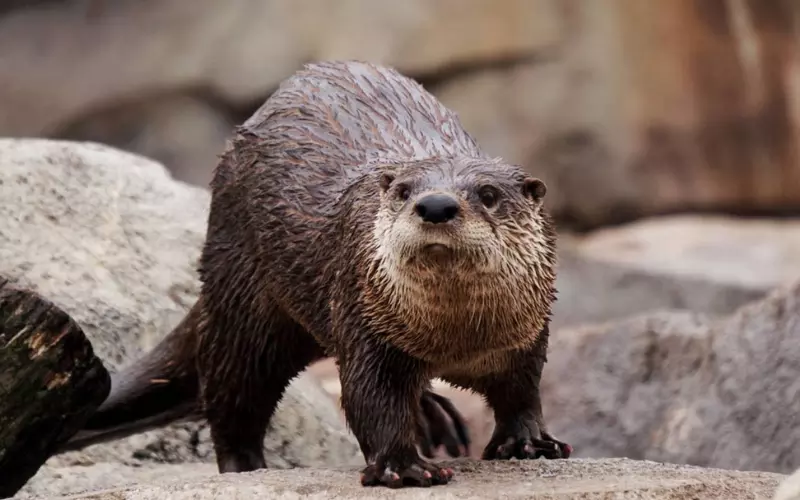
(625, 108)
(667, 133)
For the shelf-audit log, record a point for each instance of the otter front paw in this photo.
(523, 440)
(404, 469)
(441, 424)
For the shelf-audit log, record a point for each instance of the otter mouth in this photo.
(437, 250)
(436, 254)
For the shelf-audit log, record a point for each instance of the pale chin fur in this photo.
(492, 287)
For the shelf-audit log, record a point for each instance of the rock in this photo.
(552, 479)
(683, 387)
(789, 488)
(767, 252)
(594, 290)
(62, 60)
(110, 238)
(50, 383)
(676, 262)
(105, 234)
(53, 481)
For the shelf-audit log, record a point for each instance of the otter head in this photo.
(467, 216)
(464, 253)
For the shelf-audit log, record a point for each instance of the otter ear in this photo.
(534, 189)
(385, 181)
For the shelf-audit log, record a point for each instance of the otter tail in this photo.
(151, 392)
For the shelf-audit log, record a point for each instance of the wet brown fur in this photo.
(310, 253)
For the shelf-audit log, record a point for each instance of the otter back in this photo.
(333, 117)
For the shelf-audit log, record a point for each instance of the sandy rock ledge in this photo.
(540, 479)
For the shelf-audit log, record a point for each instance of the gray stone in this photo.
(683, 387)
(755, 253)
(706, 264)
(593, 290)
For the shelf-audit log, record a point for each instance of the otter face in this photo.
(449, 214)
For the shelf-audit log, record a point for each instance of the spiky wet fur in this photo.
(309, 254)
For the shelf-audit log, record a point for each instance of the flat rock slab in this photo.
(540, 479)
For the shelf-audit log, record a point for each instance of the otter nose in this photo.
(437, 208)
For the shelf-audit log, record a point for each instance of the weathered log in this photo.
(50, 383)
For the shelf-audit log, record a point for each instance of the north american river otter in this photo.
(352, 216)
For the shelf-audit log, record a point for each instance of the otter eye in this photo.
(488, 196)
(403, 192)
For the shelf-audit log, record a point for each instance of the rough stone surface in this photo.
(106, 234)
(57, 480)
(683, 387)
(541, 479)
(110, 238)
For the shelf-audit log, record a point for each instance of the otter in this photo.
(353, 217)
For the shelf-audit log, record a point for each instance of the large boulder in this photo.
(110, 238)
(683, 387)
(572, 479)
(732, 251)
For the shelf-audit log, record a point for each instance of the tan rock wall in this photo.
(625, 108)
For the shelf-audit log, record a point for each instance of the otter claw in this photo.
(418, 473)
(513, 447)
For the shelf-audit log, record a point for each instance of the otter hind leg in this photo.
(441, 424)
(245, 363)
